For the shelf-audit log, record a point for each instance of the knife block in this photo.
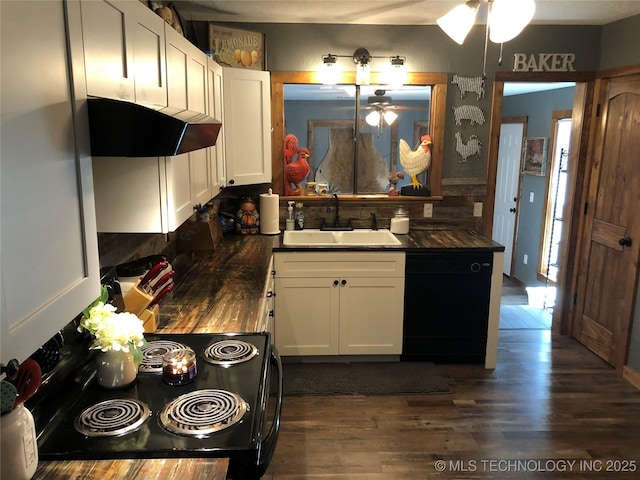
(136, 301)
(150, 318)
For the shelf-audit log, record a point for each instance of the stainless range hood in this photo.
(125, 129)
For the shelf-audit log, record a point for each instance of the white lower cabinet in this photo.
(345, 303)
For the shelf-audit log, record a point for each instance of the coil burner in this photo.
(229, 352)
(152, 354)
(203, 412)
(112, 418)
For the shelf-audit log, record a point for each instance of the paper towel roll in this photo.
(269, 213)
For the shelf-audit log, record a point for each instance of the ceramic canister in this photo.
(19, 447)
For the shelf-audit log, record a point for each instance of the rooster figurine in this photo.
(294, 172)
(418, 161)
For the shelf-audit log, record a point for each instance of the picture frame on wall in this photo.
(534, 156)
(233, 47)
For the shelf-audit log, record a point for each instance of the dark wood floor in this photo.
(551, 409)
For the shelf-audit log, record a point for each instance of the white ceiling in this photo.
(391, 12)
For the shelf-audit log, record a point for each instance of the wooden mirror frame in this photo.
(438, 82)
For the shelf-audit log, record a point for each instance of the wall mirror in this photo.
(353, 132)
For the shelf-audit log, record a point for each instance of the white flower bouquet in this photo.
(113, 331)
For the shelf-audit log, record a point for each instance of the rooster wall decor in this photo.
(294, 172)
(415, 162)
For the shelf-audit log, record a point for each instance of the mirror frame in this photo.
(438, 82)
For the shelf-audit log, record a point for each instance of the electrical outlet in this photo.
(525, 259)
(428, 210)
(477, 209)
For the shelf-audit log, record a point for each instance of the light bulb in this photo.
(458, 22)
(373, 118)
(507, 18)
(390, 117)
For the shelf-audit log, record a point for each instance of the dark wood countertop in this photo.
(426, 240)
(221, 291)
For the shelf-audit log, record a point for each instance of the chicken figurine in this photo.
(415, 162)
(294, 172)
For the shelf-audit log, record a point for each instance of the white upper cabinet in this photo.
(157, 194)
(247, 126)
(124, 50)
(186, 73)
(215, 92)
(49, 269)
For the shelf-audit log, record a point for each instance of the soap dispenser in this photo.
(299, 224)
(290, 222)
(400, 222)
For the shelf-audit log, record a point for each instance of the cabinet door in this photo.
(124, 51)
(215, 110)
(307, 320)
(149, 58)
(186, 73)
(49, 254)
(179, 189)
(108, 49)
(371, 316)
(247, 126)
(131, 196)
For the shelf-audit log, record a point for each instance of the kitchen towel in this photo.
(269, 213)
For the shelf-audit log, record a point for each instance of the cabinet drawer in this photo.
(321, 264)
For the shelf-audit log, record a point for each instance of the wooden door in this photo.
(608, 269)
(505, 214)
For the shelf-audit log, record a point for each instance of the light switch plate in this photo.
(428, 210)
(530, 197)
(477, 209)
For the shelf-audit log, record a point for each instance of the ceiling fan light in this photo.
(507, 18)
(390, 117)
(457, 22)
(373, 118)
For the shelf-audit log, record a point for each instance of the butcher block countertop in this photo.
(221, 291)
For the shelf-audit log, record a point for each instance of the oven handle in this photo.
(271, 438)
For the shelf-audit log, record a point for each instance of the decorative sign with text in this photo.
(544, 62)
(236, 48)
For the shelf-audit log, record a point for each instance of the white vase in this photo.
(116, 369)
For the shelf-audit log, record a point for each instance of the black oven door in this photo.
(272, 409)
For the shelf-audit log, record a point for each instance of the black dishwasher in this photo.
(446, 306)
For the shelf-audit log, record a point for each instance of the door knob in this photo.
(343, 282)
(512, 210)
(335, 283)
(625, 242)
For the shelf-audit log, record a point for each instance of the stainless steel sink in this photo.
(358, 237)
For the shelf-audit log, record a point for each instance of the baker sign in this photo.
(544, 62)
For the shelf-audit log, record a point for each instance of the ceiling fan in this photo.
(382, 109)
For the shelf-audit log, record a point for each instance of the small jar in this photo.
(400, 222)
(19, 446)
(179, 367)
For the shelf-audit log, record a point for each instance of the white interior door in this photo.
(506, 202)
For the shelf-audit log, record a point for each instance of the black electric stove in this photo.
(234, 405)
